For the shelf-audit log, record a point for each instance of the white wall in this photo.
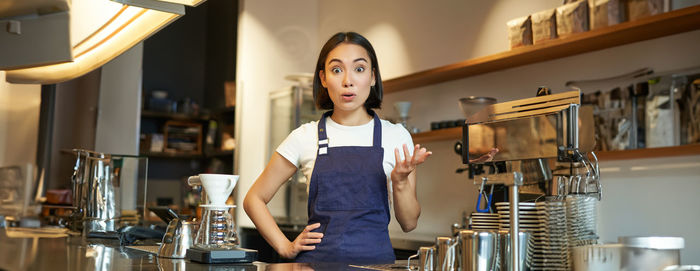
(275, 38)
(652, 197)
(414, 35)
(119, 117)
(19, 122)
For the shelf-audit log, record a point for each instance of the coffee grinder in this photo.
(216, 240)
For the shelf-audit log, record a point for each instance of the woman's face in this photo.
(348, 76)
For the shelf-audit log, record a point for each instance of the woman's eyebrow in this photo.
(338, 60)
(334, 60)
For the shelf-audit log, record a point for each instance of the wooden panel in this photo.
(674, 22)
(530, 106)
(528, 113)
(438, 135)
(527, 104)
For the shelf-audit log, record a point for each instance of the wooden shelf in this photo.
(690, 149)
(173, 155)
(219, 154)
(225, 110)
(438, 135)
(673, 22)
(188, 155)
(174, 116)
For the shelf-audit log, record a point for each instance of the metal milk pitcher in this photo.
(102, 206)
(77, 182)
(479, 250)
(445, 255)
(425, 258)
(96, 193)
(506, 260)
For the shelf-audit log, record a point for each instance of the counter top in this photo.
(77, 253)
(396, 243)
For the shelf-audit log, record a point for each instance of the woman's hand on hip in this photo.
(404, 167)
(306, 240)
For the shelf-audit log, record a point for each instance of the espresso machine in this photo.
(544, 147)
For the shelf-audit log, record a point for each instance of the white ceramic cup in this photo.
(217, 186)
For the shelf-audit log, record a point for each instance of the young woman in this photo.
(353, 161)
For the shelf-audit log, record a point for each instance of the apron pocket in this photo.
(339, 191)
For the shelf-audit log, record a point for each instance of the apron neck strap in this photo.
(323, 137)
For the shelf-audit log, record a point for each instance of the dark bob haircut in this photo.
(323, 101)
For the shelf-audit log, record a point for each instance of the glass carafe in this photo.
(217, 229)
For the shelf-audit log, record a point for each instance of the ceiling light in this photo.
(125, 29)
(165, 6)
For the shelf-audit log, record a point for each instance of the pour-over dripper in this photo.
(402, 108)
(216, 186)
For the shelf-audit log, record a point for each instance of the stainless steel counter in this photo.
(76, 253)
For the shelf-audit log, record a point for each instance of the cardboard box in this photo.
(572, 18)
(604, 13)
(544, 26)
(637, 9)
(520, 32)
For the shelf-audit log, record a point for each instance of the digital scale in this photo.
(223, 255)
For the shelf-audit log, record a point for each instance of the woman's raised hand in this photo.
(306, 240)
(408, 165)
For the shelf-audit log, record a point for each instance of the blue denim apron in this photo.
(348, 196)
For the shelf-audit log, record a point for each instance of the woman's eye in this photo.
(335, 70)
(360, 69)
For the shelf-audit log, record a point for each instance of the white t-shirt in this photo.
(301, 146)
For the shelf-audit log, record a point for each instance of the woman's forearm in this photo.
(277, 172)
(258, 212)
(406, 206)
(403, 181)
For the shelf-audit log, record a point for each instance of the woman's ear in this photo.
(322, 76)
(374, 78)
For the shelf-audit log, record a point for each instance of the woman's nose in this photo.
(347, 82)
